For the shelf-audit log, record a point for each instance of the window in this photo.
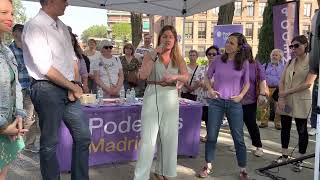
(237, 8)
(212, 29)
(306, 30)
(201, 51)
(262, 6)
(188, 30)
(250, 8)
(249, 30)
(259, 28)
(307, 9)
(215, 11)
(202, 30)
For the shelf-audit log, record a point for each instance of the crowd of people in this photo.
(44, 72)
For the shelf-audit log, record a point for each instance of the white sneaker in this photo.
(225, 122)
(312, 132)
(258, 152)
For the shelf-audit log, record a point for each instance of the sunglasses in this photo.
(128, 48)
(107, 47)
(211, 54)
(294, 46)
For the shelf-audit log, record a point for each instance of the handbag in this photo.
(132, 78)
(188, 95)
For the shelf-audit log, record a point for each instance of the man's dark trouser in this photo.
(52, 105)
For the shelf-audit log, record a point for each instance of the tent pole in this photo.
(317, 150)
(183, 32)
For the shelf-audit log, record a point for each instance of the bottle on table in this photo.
(133, 95)
(122, 94)
(99, 95)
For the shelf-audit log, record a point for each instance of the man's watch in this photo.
(78, 83)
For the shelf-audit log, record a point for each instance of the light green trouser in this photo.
(163, 130)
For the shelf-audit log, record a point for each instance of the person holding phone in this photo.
(294, 101)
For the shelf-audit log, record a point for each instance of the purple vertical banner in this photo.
(285, 25)
(222, 32)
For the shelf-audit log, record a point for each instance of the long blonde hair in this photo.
(175, 54)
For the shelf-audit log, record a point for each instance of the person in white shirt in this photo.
(140, 51)
(93, 56)
(108, 72)
(55, 90)
(189, 90)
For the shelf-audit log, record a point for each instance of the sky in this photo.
(79, 18)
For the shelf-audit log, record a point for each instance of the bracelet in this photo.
(262, 95)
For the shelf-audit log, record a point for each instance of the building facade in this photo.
(199, 27)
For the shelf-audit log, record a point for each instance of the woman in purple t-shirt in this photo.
(231, 82)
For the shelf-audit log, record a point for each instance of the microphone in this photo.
(156, 55)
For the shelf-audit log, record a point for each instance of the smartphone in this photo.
(287, 109)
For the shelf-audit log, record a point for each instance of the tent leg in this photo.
(183, 32)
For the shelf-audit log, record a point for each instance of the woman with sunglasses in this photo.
(108, 72)
(202, 94)
(294, 102)
(130, 66)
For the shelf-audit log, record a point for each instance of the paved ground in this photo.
(27, 166)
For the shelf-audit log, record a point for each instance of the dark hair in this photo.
(303, 40)
(17, 27)
(175, 52)
(129, 45)
(213, 47)
(43, 2)
(248, 52)
(76, 46)
(240, 57)
(193, 51)
(94, 41)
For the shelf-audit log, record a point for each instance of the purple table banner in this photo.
(285, 25)
(222, 32)
(115, 134)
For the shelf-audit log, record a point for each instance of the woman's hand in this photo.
(15, 129)
(169, 78)
(283, 94)
(236, 99)
(262, 100)
(212, 94)
(281, 104)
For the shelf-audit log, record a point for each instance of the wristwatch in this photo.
(78, 83)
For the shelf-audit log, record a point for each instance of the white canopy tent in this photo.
(177, 8)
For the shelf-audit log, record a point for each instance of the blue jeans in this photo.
(52, 105)
(233, 111)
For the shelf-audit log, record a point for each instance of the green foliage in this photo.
(266, 42)
(121, 31)
(19, 17)
(19, 12)
(98, 31)
(200, 60)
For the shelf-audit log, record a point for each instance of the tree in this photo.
(226, 13)
(136, 28)
(99, 31)
(19, 12)
(121, 31)
(266, 35)
(19, 17)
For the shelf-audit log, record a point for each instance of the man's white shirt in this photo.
(47, 43)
